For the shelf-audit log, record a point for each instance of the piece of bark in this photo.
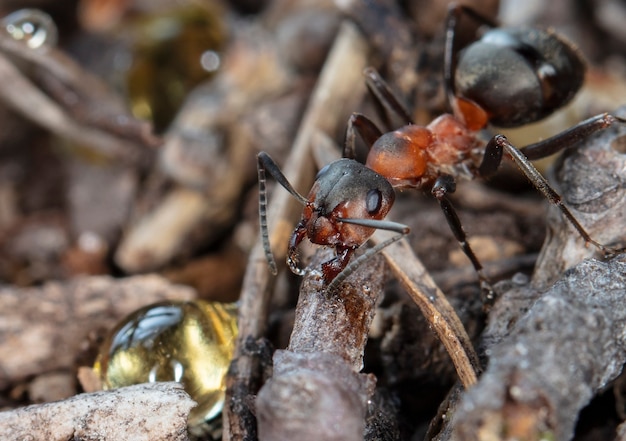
(316, 391)
(152, 411)
(43, 329)
(566, 348)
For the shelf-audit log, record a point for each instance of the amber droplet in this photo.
(191, 342)
(173, 53)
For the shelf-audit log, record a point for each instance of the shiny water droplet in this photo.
(34, 27)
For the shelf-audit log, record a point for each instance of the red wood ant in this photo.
(509, 77)
(347, 202)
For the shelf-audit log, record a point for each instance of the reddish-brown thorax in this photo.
(414, 156)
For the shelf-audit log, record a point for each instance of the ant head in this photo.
(345, 190)
(346, 204)
(519, 75)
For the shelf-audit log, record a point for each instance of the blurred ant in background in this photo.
(509, 77)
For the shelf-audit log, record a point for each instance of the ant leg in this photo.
(366, 128)
(450, 51)
(385, 97)
(352, 266)
(266, 163)
(444, 185)
(570, 137)
(299, 233)
(499, 142)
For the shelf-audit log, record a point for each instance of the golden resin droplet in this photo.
(191, 342)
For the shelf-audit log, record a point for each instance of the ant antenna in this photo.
(395, 227)
(265, 162)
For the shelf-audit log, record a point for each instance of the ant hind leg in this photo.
(493, 156)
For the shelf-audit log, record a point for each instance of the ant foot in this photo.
(612, 252)
(488, 294)
(292, 263)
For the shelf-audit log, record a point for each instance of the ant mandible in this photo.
(508, 77)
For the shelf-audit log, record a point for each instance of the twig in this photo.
(113, 131)
(339, 87)
(316, 391)
(434, 305)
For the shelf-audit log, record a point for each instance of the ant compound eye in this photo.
(373, 201)
(189, 342)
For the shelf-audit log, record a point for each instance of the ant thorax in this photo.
(414, 156)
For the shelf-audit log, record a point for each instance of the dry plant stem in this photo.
(432, 302)
(83, 96)
(42, 329)
(153, 411)
(566, 348)
(339, 87)
(26, 98)
(392, 36)
(316, 391)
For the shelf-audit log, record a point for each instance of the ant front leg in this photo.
(443, 186)
(499, 144)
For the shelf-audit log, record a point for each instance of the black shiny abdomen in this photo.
(519, 75)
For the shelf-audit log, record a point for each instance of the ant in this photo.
(509, 77)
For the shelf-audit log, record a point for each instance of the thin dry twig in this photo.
(339, 86)
(432, 302)
(113, 131)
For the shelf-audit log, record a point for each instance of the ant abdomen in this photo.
(519, 76)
